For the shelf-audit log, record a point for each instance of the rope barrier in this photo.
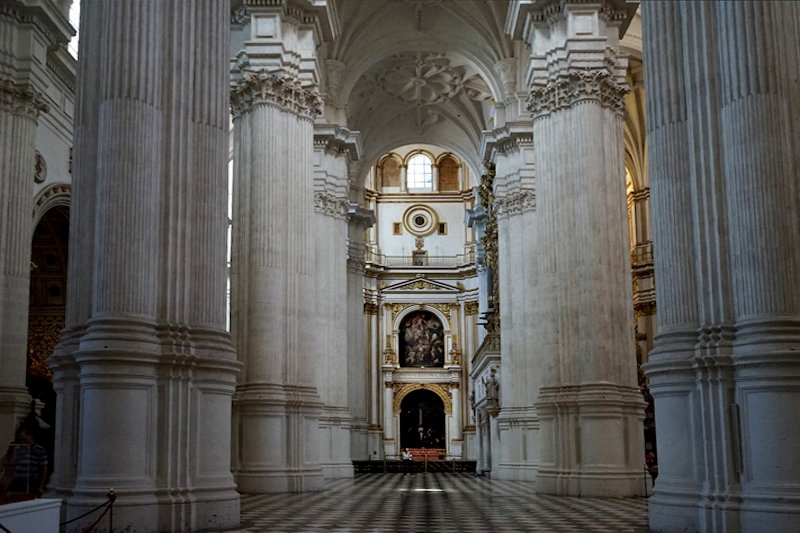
(109, 505)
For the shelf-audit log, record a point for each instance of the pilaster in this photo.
(333, 149)
(362, 361)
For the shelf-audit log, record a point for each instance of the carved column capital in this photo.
(515, 203)
(21, 100)
(285, 92)
(565, 89)
(329, 204)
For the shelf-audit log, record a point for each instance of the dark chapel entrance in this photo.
(422, 420)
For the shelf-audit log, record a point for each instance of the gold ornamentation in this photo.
(647, 308)
(399, 308)
(370, 308)
(389, 355)
(489, 242)
(445, 308)
(44, 333)
(442, 390)
(470, 308)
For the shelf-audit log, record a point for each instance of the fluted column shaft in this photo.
(145, 350)
(273, 297)
(723, 155)
(758, 70)
(673, 242)
(515, 206)
(19, 110)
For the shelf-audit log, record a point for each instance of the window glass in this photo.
(419, 172)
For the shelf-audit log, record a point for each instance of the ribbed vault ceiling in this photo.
(418, 71)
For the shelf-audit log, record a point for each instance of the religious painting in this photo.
(421, 340)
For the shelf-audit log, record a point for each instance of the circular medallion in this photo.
(420, 220)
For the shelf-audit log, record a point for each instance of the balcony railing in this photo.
(418, 260)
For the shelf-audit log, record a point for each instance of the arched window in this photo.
(419, 172)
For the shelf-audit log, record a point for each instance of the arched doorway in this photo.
(422, 421)
(46, 311)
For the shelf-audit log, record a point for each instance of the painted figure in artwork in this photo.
(422, 340)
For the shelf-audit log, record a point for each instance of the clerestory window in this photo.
(419, 174)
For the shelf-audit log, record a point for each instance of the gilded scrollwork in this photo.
(44, 332)
(489, 242)
(445, 307)
(442, 390)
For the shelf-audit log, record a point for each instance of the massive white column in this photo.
(145, 369)
(275, 99)
(273, 284)
(578, 330)
(759, 117)
(725, 377)
(20, 106)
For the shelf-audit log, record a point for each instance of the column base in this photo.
(513, 446)
(149, 512)
(335, 426)
(618, 484)
(278, 448)
(592, 441)
(254, 481)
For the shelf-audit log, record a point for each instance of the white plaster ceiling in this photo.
(417, 71)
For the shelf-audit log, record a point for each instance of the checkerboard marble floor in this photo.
(437, 502)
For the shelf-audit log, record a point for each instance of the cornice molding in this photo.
(265, 88)
(45, 18)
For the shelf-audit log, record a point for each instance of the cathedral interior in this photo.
(246, 245)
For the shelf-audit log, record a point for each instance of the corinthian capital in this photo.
(21, 100)
(567, 88)
(264, 88)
